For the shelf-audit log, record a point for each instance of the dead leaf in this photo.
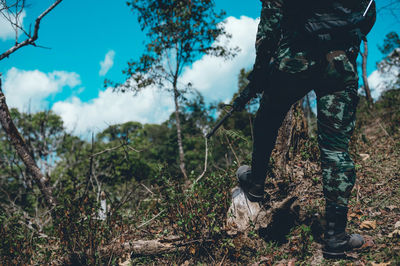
(125, 263)
(355, 215)
(380, 264)
(292, 262)
(352, 255)
(192, 250)
(186, 263)
(364, 156)
(395, 233)
(377, 214)
(368, 242)
(352, 215)
(391, 207)
(397, 225)
(368, 225)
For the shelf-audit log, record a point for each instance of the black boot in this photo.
(336, 240)
(254, 192)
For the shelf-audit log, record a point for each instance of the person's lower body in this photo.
(283, 90)
(336, 121)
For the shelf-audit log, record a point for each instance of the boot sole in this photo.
(334, 255)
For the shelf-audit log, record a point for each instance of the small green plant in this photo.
(18, 243)
(301, 238)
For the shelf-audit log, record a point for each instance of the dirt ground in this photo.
(374, 212)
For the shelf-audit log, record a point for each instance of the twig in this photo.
(223, 259)
(107, 150)
(230, 146)
(145, 223)
(143, 185)
(31, 40)
(132, 149)
(384, 130)
(205, 163)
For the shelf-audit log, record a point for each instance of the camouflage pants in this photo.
(298, 70)
(336, 120)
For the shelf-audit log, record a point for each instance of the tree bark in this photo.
(179, 134)
(364, 74)
(23, 151)
(308, 113)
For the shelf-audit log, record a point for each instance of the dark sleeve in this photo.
(269, 28)
(268, 36)
(370, 17)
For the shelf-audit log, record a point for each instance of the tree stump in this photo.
(292, 134)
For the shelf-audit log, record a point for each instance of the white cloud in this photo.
(381, 81)
(29, 89)
(107, 63)
(217, 78)
(6, 30)
(81, 118)
(214, 77)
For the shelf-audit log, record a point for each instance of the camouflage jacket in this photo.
(290, 48)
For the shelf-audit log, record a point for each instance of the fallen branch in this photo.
(146, 247)
(149, 247)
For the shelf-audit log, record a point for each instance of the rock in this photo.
(242, 213)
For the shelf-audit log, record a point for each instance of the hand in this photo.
(238, 104)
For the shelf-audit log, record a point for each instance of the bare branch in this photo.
(31, 40)
(107, 150)
(143, 185)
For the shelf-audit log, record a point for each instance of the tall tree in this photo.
(391, 42)
(367, 90)
(12, 10)
(390, 65)
(178, 32)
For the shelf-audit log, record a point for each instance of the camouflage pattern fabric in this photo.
(286, 45)
(336, 121)
(334, 78)
(273, 41)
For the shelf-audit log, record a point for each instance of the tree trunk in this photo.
(179, 134)
(308, 113)
(364, 74)
(23, 152)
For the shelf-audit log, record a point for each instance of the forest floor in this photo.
(374, 212)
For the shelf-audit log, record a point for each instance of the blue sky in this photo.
(67, 77)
